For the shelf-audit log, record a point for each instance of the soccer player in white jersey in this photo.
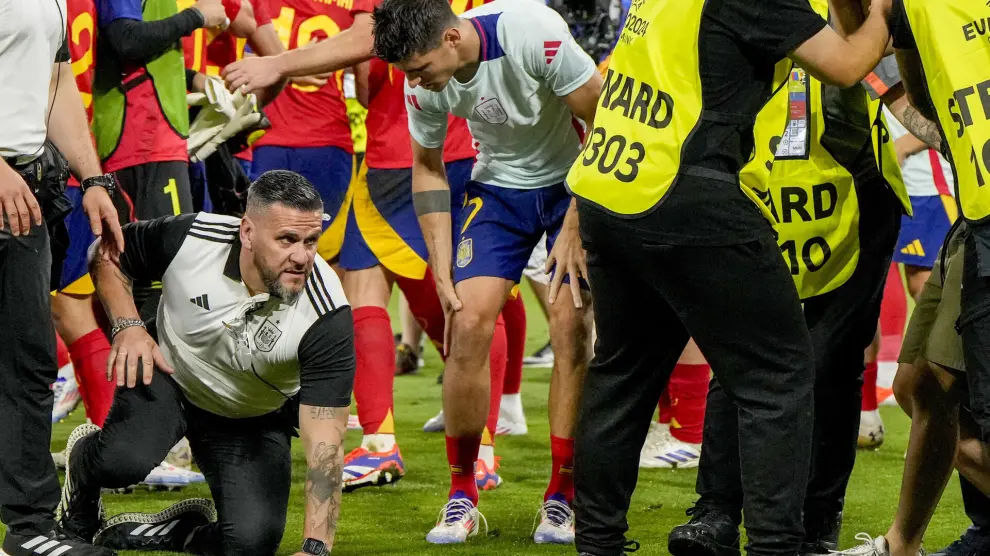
(512, 69)
(254, 338)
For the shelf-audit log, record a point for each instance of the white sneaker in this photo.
(511, 419)
(353, 423)
(556, 523)
(541, 358)
(681, 455)
(67, 395)
(180, 455)
(870, 429)
(435, 424)
(459, 519)
(656, 441)
(870, 547)
(59, 459)
(169, 477)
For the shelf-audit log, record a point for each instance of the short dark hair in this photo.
(286, 188)
(404, 28)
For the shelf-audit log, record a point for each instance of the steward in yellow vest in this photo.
(942, 51)
(826, 175)
(678, 248)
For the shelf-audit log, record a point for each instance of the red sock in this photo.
(425, 306)
(870, 387)
(514, 313)
(688, 389)
(61, 352)
(496, 359)
(373, 381)
(666, 412)
(89, 359)
(462, 453)
(562, 477)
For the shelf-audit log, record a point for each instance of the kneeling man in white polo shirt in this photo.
(254, 337)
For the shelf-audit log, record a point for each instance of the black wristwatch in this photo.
(315, 547)
(106, 181)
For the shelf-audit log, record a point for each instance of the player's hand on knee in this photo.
(567, 258)
(135, 353)
(451, 304)
(17, 203)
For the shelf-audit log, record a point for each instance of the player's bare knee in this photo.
(932, 389)
(367, 287)
(905, 385)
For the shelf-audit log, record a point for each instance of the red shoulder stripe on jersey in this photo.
(550, 49)
(938, 174)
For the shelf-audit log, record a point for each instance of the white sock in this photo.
(487, 455)
(512, 404)
(378, 442)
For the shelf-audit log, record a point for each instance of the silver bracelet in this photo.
(122, 324)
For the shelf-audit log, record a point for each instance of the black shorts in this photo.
(152, 190)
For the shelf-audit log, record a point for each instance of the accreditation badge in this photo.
(795, 143)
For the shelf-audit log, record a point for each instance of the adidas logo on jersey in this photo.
(914, 248)
(550, 49)
(203, 301)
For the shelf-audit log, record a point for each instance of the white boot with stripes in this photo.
(49, 545)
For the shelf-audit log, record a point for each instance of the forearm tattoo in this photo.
(922, 128)
(324, 478)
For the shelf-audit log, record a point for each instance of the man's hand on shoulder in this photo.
(103, 219)
(252, 74)
(214, 14)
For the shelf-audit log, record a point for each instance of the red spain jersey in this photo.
(227, 49)
(81, 31)
(387, 124)
(82, 47)
(305, 116)
(194, 46)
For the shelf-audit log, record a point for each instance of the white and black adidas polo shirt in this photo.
(234, 354)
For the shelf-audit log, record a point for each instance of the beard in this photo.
(276, 288)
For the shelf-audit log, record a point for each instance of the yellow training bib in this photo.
(646, 112)
(952, 39)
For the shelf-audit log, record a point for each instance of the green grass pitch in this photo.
(395, 520)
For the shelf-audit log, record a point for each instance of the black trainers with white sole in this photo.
(51, 544)
(79, 514)
(168, 529)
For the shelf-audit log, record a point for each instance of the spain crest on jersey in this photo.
(267, 336)
(465, 252)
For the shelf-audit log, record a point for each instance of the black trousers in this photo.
(740, 305)
(29, 488)
(842, 325)
(246, 462)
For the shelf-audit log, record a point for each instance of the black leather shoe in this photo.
(821, 534)
(709, 533)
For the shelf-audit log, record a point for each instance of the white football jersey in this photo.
(234, 354)
(525, 134)
(921, 169)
